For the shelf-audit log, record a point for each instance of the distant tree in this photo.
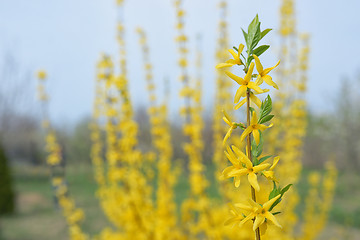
(7, 196)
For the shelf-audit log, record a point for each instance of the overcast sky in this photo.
(66, 37)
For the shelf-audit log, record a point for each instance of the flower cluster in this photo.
(252, 163)
(72, 214)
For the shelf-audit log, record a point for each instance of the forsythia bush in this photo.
(136, 188)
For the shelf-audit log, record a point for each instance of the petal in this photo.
(243, 206)
(241, 48)
(261, 167)
(225, 172)
(252, 178)
(232, 155)
(269, 81)
(266, 71)
(233, 53)
(232, 208)
(255, 99)
(223, 65)
(258, 221)
(243, 157)
(248, 217)
(226, 116)
(268, 204)
(276, 160)
(259, 66)
(262, 127)
(254, 204)
(237, 106)
(233, 160)
(259, 80)
(248, 75)
(252, 85)
(238, 172)
(268, 174)
(272, 218)
(239, 93)
(256, 135)
(227, 121)
(263, 228)
(237, 181)
(228, 134)
(232, 61)
(246, 132)
(254, 119)
(237, 79)
(232, 220)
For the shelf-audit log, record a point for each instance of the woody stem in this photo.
(248, 146)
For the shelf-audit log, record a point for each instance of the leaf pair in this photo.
(276, 191)
(253, 37)
(265, 110)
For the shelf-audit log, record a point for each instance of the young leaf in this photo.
(252, 110)
(281, 191)
(256, 38)
(274, 192)
(236, 49)
(275, 213)
(285, 189)
(266, 107)
(253, 24)
(263, 33)
(260, 50)
(254, 148)
(250, 58)
(245, 37)
(255, 161)
(266, 119)
(260, 146)
(264, 158)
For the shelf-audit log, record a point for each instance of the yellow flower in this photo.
(259, 212)
(263, 73)
(270, 173)
(232, 125)
(244, 83)
(254, 128)
(253, 98)
(41, 75)
(232, 62)
(242, 166)
(237, 216)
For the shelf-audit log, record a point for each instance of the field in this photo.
(37, 218)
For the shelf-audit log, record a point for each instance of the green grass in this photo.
(37, 217)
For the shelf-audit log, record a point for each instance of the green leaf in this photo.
(264, 158)
(260, 50)
(275, 213)
(253, 24)
(252, 110)
(254, 148)
(266, 119)
(250, 58)
(263, 33)
(253, 34)
(255, 161)
(285, 189)
(266, 107)
(281, 191)
(236, 49)
(256, 38)
(260, 146)
(246, 38)
(274, 192)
